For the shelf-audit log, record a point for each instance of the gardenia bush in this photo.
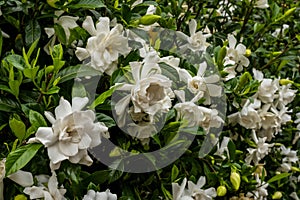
(165, 99)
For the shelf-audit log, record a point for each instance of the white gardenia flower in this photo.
(92, 195)
(223, 147)
(206, 87)
(236, 54)
(105, 45)
(73, 131)
(286, 95)
(194, 191)
(47, 189)
(249, 117)
(197, 40)
(196, 115)
(261, 4)
(150, 91)
(290, 155)
(260, 151)
(267, 89)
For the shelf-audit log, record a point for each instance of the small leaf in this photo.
(100, 99)
(107, 120)
(175, 173)
(37, 119)
(76, 71)
(60, 32)
(8, 105)
(17, 159)
(32, 32)
(278, 177)
(1, 42)
(16, 60)
(17, 127)
(31, 72)
(87, 4)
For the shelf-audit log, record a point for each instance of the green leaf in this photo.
(169, 72)
(31, 72)
(107, 120)
(60, 32)
(32, 48)
(17, 127)
(278, 177)
(14, 87)
(76, 71)
(16, 60)
(175, 173)
(53, 90)
(8, 105)
(87, 4)
(232, 149)
(100, 99)
(32, 32)
(17, 159)
(37, 119)
(98, 177)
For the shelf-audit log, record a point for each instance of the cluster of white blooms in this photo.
(261, 191)
(92, 195)
(297, 135)
(104, 46)
(47, 188)
(235, 58)
(194, 191)
(73, 131)
(267, 110)
(290, 157)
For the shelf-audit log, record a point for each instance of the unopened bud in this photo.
(20, 197)
(221, 191)
(248, 53)
(235, 180)
(285, 81)
(295, 169)
(277, 195)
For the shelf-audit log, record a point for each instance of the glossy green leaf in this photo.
(17, 127)
(278, 177)
(87, 4)
(17, 159)
(32, 32)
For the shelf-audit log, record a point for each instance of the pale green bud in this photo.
(221, 191)
(235, 180)
(277, 195)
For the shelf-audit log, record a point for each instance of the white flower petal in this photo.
(103, 24)
(192, 26)
(50, 117)
(34, 192)
(50, 32)
(68, 148)
(63, 109)
(81, 53)
(214, 90)
(55, 155)
(23, 178)
(232, 41)
(46, 136)
(78, 103)
(88, 25)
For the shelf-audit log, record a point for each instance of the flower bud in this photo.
(248, 52)
(277, 195)
(235, 180)
(285, 81)
(20, 197)
(221, 191)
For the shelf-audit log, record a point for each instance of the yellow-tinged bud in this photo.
(235, 180)
(295, 169)
(221, 191)
(285, 81)
(248, 53)
(277, 195)
(52, 3)
(20, 197)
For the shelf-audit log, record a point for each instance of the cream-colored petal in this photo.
(55, 155)
(88, 25)
(46, 136)
(192, 27)
(78, 103)
(63, 109)
(49, 31)
(85, 141)
(214, 90)
(81, 53)
(34, 192)
(232, 41)
(50, 117)
(68, 148)
(103, 25)
(25, 179)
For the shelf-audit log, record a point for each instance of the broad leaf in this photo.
(32, 32)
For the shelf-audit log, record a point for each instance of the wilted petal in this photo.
(34, 192)
(23, 178)
(50, 32)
